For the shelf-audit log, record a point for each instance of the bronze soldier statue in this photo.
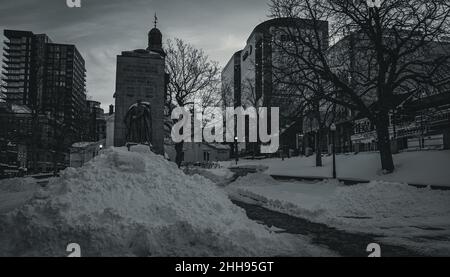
(138, 121)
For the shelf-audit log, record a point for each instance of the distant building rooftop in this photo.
(84, 144)
(20, 109)
(218, 146)
(13, 108)
(284, 22)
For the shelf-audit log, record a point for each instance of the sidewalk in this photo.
(415, 168)
(346, 181)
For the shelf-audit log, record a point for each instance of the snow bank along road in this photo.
(393, 213)
(421, 167)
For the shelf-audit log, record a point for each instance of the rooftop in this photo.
(284, 22)
(20, 109)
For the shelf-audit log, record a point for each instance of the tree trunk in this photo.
(384, 143)
(55, 163)
(318, 148)
(179, 154)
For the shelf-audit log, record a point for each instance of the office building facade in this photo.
(231, 82)
(259, 84)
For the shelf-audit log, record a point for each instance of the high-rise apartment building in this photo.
(23, 62)
(44, 76)
(48, 80)
(64, 84)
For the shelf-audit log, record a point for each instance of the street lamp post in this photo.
(333, 139)
(236, 150)
(302, 145)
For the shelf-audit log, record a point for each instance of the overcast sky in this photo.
(101, 29)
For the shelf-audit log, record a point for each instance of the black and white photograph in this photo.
(245, 129)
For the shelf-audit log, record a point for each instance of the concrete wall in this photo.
(79, 156)
(430, 142)
(109, 142)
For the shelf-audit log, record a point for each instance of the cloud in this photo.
(102, 29)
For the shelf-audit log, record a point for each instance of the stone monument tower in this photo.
(141, 77)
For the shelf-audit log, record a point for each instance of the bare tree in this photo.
(318, 112)
(227, 95)
(193, 79)
(251, 99)
(383, 56)
(307, 88)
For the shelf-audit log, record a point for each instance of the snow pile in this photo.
(17, 185)
(253, 180)
(384, 200)
(290, 198)
(137, 204)
(420, 218)
(13, 192)
(219, 176)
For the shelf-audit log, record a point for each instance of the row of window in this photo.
(20, 40)
(18, 78)
(17, 71)
(15, 90)
(17, 60)
(19, 47)
(18, 65)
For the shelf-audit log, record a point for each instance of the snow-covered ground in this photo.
(422, 167)
(219, 176)
(14, 192)
(404, 215)
(134, 204)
